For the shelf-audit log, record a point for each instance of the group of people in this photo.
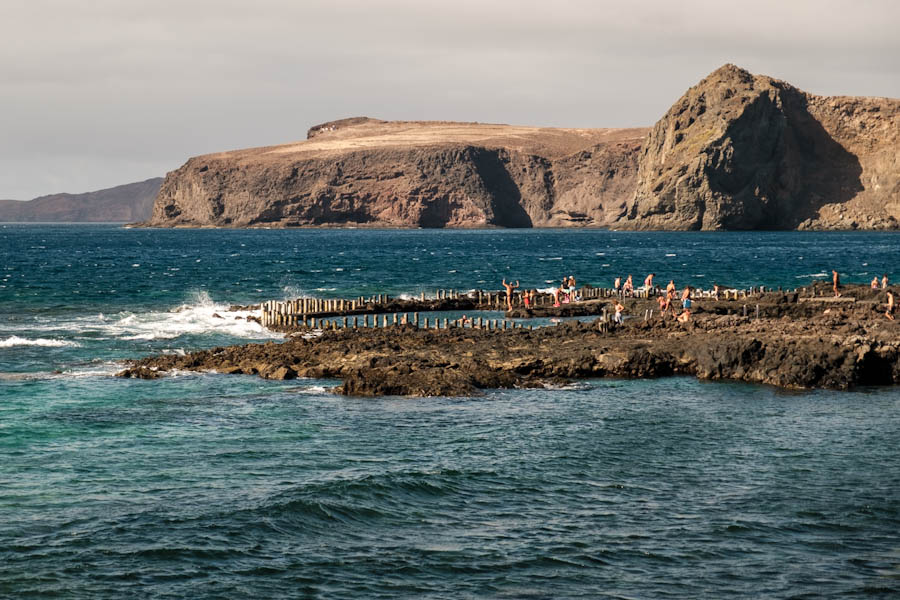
(884, 282)
(562, 294)
(565, 292)
(667, 301)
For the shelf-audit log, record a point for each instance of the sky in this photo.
(97, 93)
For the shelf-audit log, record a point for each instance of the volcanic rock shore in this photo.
(793, 344)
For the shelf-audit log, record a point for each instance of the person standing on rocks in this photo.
(686, 298)
(628, 290)
(618, 318)
(617, 285)
(716, 291)
(509, 292)
(671, 286)
(836, 281)
(648, 283)
(889, 313)
(875, 282)
(884, 281)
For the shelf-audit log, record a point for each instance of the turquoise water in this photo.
(211, 486)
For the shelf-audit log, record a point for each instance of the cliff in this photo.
(737, 151)
(364, 171)
(741, 151)
(123, 203)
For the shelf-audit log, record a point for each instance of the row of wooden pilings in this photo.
(396, 320)
(301, 311)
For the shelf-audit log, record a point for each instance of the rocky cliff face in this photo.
(739, 151)
(123, 203)
(367, 172)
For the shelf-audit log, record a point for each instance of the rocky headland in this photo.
(743, 151)
(122, 203)
(736, 151)
(366, 172)
(794, 343)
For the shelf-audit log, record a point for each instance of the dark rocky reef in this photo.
(792, 344)
(740, 151)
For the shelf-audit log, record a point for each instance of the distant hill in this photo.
(123, 203)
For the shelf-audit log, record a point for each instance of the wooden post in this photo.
(426, 323)
(416, 319)
(446, 323)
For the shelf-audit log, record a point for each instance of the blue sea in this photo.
(216, 486)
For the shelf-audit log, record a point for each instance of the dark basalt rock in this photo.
(815, 343)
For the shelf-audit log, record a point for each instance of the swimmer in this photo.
(509, 290)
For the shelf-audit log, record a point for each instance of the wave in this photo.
(198, 315)
(811, 275)
(15, 340)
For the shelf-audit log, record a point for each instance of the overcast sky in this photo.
(97, 93)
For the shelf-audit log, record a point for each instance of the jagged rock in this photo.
(743, 151)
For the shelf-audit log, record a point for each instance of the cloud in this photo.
(152, 83)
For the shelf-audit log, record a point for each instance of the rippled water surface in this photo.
(212, 486)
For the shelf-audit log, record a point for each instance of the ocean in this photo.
(215, 486)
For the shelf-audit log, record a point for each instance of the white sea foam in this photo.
(811, 275)
(198, 316)
(551, 258)
(314, 389)
(671, 255)
(15, 340)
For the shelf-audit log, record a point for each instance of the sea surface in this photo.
(215, 486)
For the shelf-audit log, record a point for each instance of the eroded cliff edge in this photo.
(736, 151)
(410, 174)
(742, 151)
